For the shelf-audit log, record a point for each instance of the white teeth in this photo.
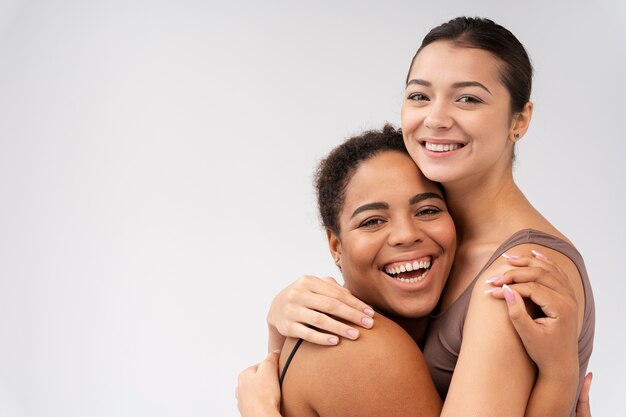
(440, 147)
(412, 280)
(408, 267)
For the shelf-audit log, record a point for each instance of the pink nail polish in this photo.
(368, 311)
(493, 278)
(508, 295)
(539, 255)
(508, 256)
(352, 334)
(333, 340)
(367, 322)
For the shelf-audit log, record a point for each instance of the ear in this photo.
(334, 244)
(521, 122)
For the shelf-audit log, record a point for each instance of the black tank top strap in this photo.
(291, 355)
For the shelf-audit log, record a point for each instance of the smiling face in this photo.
(456, 114)
(397, 239)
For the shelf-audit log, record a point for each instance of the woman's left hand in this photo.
(258, 392)
(551, 341)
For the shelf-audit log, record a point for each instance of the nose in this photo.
(405, 232)
(438, 117)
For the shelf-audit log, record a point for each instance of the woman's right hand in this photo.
(304, 309)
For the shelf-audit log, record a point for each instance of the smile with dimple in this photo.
(409, 271)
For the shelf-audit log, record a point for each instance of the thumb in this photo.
(523, 323)
(582, 407)
(270, 361)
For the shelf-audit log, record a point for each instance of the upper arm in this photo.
(381, 374)
(493, 376)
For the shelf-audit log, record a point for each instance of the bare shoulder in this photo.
(381, 373)
(562, 261)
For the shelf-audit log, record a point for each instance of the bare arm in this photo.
(493, 376)
(383, 374)
(551, 341)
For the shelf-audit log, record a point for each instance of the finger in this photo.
(301, 331)
(546, 298)
(538, 259)
(583, 408)
(546, 277)
(345, 296)
(338, 309)
(523, 323)
(270, 364)
(328, 297)
(518, 259)
(313, 314)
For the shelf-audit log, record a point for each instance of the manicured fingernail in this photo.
(368, 311)
(493, 278)
(333, 340)
(539, 255)
(509, 256)
(508, 295)
(367, 322)
(352, 333)
(490, 291)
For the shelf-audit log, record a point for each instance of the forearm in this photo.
(552, 397)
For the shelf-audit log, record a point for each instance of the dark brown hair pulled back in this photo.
(475, 32)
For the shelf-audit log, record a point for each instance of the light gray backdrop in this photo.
(155, 171)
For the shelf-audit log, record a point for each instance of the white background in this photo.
(155, 179)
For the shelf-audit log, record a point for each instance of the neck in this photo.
(415, 327)
(487, 208)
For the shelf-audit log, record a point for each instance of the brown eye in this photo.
(371, 222)
(469, 100)
(417, 97)
(428, 211)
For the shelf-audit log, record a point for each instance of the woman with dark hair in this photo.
(466, 105)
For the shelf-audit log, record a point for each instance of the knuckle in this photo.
(330, 304)
(317, 319)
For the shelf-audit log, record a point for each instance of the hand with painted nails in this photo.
(304, 309)
(550, 337)
(258, 392)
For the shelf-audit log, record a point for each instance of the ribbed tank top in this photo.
(445, 334)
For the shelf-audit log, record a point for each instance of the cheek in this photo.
(360, 252)
(444, 233)
(409, 120)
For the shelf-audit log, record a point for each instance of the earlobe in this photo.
(334, 244)
(521, 122)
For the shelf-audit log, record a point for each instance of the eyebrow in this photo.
(384, 206)
(424, 196)
(460, 84)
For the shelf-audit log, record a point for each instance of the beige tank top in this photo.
(445, 333)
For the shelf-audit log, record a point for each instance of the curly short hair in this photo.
(335, 171)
